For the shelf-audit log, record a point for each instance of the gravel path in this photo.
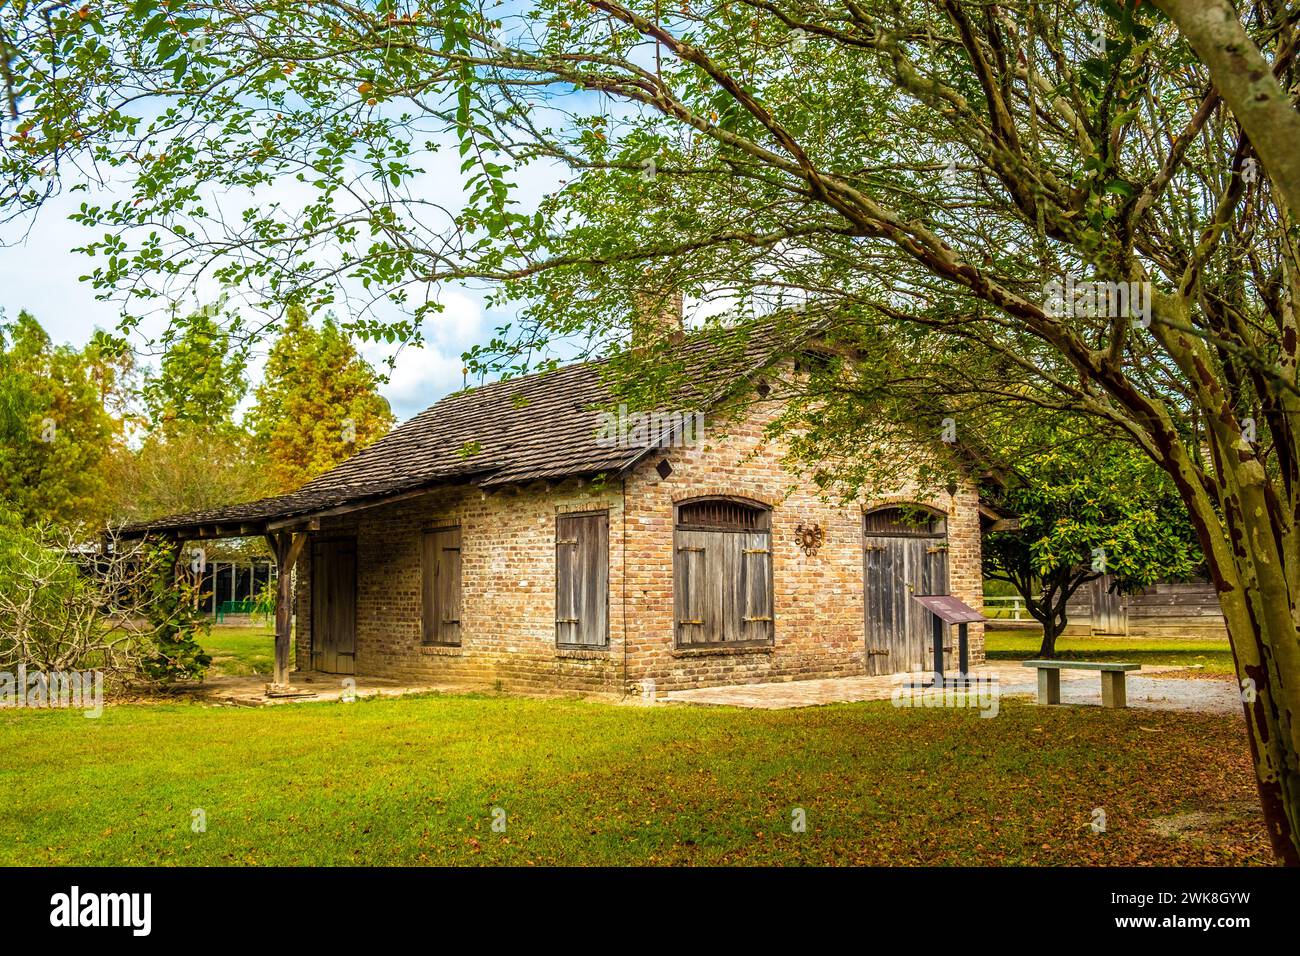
(1200, 695)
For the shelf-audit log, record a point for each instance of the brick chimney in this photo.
(658, 317)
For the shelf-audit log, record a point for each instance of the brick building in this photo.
(518, 536)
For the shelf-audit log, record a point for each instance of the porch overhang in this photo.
(285, 523)
(993, 518)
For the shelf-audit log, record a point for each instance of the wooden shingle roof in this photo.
(536, 427)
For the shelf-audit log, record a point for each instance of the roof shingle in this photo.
(542, 426)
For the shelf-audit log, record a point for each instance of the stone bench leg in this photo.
(1049, 685)
(1113, 692)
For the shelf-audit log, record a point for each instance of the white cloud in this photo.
(422, 375)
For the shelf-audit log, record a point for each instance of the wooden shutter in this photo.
(723, 587)
(582, 580)
(441, 586)
(697, 611)
(756, 587)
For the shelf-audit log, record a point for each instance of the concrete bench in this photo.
(1113, 693)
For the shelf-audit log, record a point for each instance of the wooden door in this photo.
(334, 606)
(1109, 615)
(898, 564)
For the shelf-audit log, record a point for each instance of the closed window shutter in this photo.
(582, 580)
(756, 587)
(691, 591)
(441, 587)
(722, 586)
(428, 591)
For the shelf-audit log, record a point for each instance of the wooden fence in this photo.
(1189, 609)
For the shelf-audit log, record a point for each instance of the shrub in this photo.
(113, 606)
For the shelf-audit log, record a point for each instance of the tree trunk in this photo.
(1053, 624)
(1246, 82)
(1048, 646)
(1254, 561)
(1253, 552)
(1269, 725)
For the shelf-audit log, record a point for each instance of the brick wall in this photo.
(508, 578)
(818, 599)
(507, 589)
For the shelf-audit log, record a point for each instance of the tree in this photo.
(55, 435)
(195, 456)
(200, 380)
(115, 374)
(317, 403)
(192, 469)
(1086, 509)
(1101, 196)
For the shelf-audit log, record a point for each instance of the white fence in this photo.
(1010, 608)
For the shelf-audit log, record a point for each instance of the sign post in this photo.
(944, 610)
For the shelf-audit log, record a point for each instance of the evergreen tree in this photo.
(200, 380)
(318, 402)
(55, 435)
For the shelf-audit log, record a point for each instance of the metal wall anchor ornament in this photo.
(810, 538)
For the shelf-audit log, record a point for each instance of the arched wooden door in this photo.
(905, 553)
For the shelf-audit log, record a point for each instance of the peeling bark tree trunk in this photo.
(1249, 530)
(1270, 718)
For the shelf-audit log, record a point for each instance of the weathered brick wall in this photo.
(818, 599)
(507, 590)
(508, 578)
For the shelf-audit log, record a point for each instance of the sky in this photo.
(39, 272)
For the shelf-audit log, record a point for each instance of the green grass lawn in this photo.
(1212, 657)
(242, 650)
(416, 780)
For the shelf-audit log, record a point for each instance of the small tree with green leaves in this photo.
(1086, 510)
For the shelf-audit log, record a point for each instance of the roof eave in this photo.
(294, 519)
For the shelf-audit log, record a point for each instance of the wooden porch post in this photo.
(286, 546)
